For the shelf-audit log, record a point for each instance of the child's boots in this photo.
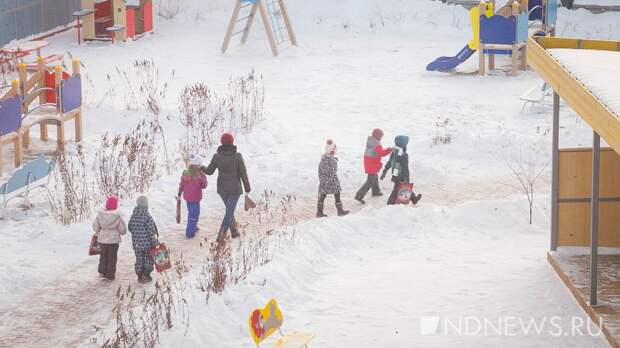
(415, 198)
(341, 211)
(319, 210)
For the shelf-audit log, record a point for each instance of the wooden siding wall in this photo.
(575, 184)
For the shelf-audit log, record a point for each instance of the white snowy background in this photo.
(365, 280)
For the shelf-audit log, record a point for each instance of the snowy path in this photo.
(358, 283)
(70, 297)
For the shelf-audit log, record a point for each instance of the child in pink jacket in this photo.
(192, 183)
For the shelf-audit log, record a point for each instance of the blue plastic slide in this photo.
(449, 63)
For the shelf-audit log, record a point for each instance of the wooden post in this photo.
(265, 17)
(88, 22)
(23, 78)
(17, 140)
(41, 69)
(287, 21)
(61, 125)
(120, 18)
(481, 59)
(515, 9)
(515, 55)
(248, 25)
(18, 148)
(524, 58)
(231, 26)
(491, 62)
(78, 116)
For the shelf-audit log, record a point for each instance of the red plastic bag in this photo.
(405, 190)
(95, 247)
(161, 257)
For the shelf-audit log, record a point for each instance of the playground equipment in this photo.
(501, 32)
(545, 11)
(266, 321)
(449, 63)
(275, 20)
(58, 98)
(114, 19)
(504, 35)
(10, 128)
(25, 179)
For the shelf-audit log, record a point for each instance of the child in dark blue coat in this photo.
(144, 236)
(399, 163)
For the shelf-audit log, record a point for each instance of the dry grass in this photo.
(70, 196)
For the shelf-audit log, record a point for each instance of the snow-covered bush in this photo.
(169, 9)
(270, 226)
(143, 86)
(443, 132)
(247, 100)
(205, 114)
(126, 164)
(70, 196)
(141, 316)
(202, 115)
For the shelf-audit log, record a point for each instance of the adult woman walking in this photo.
(231, 174)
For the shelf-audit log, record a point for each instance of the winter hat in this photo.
(330, 147)
(195, 160)
(401, 141)
(227, 139)
(111, 203)
(142, 202)
(377, 133)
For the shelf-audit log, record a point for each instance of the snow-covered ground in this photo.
(467, 250)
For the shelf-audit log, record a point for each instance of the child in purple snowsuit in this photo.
(192, 183)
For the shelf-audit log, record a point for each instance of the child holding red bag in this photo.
(399, 163)
(109, 226)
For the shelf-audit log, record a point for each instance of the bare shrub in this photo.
(141, 316)
(528, 171)
(202, 114)
(70, 194)
(443, 132)
(246, 101)
(8, 71)
(169, 9)
(126, 164)
(144, 89)
(271, 225)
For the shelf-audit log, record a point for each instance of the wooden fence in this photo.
(22, 18)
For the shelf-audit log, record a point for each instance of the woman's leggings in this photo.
(322, 197)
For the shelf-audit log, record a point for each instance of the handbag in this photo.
(405, 190)
(161, 257)
(249, 203)
(95, 247)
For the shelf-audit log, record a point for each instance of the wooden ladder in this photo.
(274, 16)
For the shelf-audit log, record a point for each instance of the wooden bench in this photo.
(114, 29)
(264, 322)
(25, 179)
